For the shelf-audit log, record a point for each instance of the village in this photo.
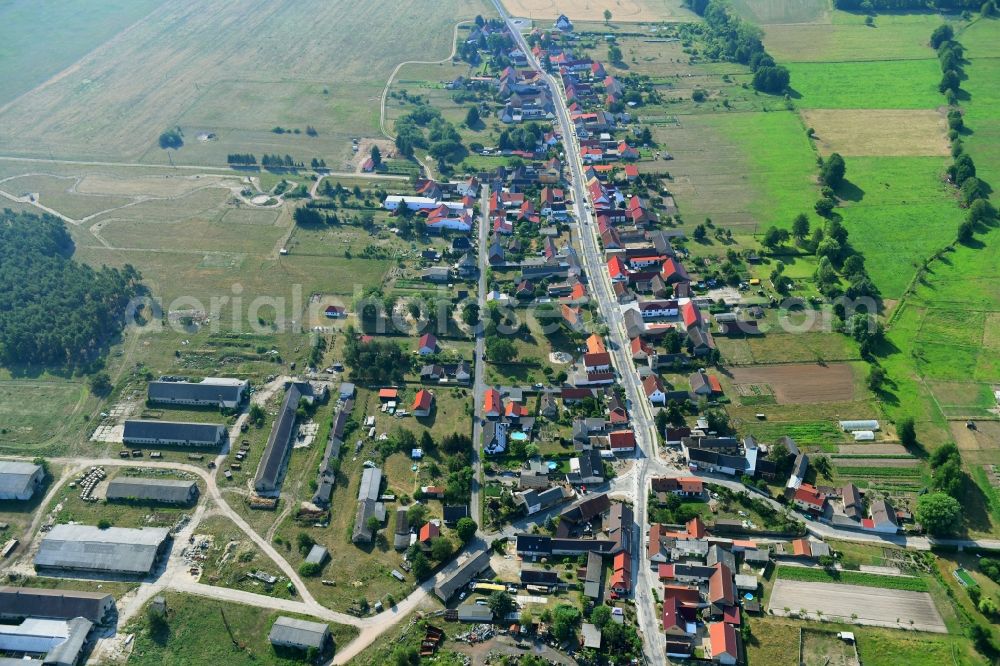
(536, 417)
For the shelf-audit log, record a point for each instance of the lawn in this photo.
(197, 634)
(24, 428)
(818, 575)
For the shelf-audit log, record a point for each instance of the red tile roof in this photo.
(720, 586)
(595, 344)
(596, 359)
(622, 439)
(722, 637)
(491, 402)
(388, 393)
(429, 531)
(423, 401)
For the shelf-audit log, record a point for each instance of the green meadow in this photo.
(898, 212)
(882, 84)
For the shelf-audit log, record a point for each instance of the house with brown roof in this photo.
(653, 387)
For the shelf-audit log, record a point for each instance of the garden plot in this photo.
(801, 383)
(857, 604)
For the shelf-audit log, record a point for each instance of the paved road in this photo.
(479, 381)
(654, 644)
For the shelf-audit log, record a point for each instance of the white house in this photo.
(653, 387)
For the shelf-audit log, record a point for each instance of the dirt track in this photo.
(872, 605)
(801, 382)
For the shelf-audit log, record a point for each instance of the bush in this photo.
(309, 569)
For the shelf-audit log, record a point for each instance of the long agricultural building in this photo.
(116, 550)
(21, 602)
(279, 444)
(173, 433)
(164, 491)
(210, 392)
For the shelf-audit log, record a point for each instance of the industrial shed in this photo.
(61, 641)
(19, 480)
(279, 444)
(166, 491)
(173, 433)
(116, 550)
(20, 602)
(300, 634)
(465, 574)
(211, 391)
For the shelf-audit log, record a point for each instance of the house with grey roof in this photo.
(209, 392)
(20, 480)
(270, 472)
(594, 576)
(22, 602)
(851, 497)
(115, 550)
(141, 489)
(299, 634)
(173, 433)
(401, 535)
(883, 517)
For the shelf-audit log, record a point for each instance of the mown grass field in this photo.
(42, 37)
(882, 84)
(196, 633)
(261, 71)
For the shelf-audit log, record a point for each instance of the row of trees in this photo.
(908, 5)
(972, 191)
(54, 311)
(731, 38)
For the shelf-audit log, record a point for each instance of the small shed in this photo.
(591, 636)
(300, 634)
(317, 555)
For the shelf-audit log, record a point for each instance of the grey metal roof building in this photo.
(317, 555)
(167, 491)
(401, 538)
(211, 391)
(18, 602)
(61, 641)
(462, 576)
(173, 433)
(279, 444)
(19, 480)
(114, 550)
(371, 481)
(301, 634)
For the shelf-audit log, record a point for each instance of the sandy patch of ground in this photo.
(386, 147)
(801, 383)
(986, 436)
(873, 606)
(879, 132)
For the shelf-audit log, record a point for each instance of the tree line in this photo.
(55, 311)
(973, 192)
(905, 5)
(731, 38)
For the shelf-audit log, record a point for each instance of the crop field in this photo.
(819, 575)
(876, 606)
(878, 132)
(114, 102)
(816, 433)
(593, 10)
(802, 383)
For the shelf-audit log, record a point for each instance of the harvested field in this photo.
(801, 383)
(878, 132)
(986, 436)
(593, 10)
(872, 449)
(857, 604)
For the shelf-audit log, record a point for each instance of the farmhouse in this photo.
(165, 491)
(173, 433)
(279, 444)
(299, 634)
(422, 403)
(116, 550)
(883, 517)
(19, 480)
(209, 392)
